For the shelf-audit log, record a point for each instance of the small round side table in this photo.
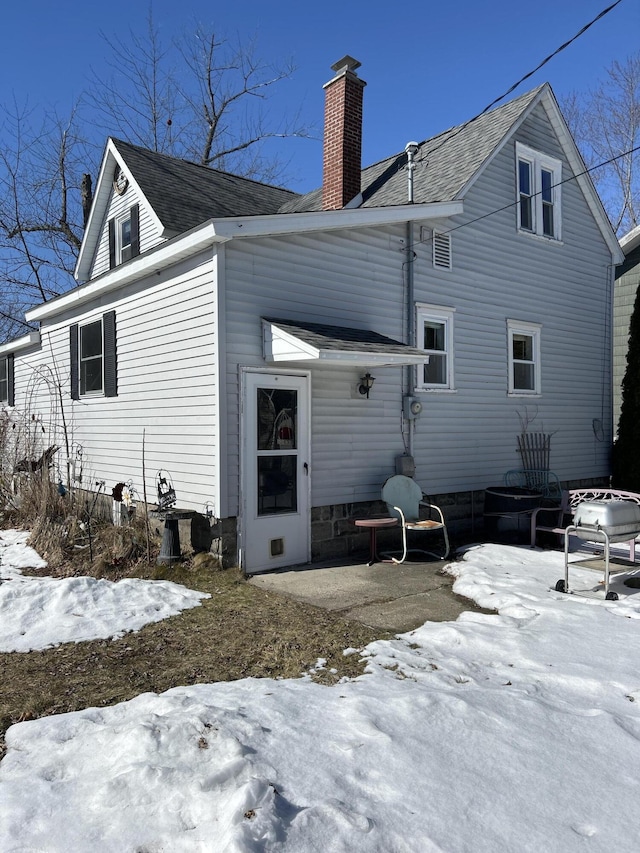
(375, 524)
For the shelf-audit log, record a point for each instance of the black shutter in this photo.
(109, 354)
(112, 243)
(135, 230)
(11, 391)
(73, 361)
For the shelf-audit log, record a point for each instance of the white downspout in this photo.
(411, 149)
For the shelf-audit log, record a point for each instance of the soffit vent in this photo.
(442, 251)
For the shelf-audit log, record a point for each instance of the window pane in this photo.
(277, 485)
(277, 419)
(523, 347)
(434, 335)
(91, 339)
(547, 183)
(524, 177)
(523, 376)
(4, 385)
(125, 233)
(547, 220)
(435, 373)
(91, 375)
(526, 216)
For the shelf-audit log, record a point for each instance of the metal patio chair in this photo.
(404, 499)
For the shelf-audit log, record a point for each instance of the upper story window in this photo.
(524, 357)
(538, 181)
(124, 238)
(93, 358)
(435, 337)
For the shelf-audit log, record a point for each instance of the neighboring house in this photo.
(624, 298)
(239, 327)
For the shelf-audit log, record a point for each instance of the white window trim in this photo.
(517, 327)
(98, 392)
(119, 222)
(4, 379)
(445, 316)
(539, 161)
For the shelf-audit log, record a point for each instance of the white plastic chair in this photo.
(404, 497)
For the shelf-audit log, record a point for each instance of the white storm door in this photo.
(276, 522)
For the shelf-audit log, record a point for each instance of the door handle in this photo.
(306, 468)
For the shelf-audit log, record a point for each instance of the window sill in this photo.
(435, 390)
(552, 241)
(526, 394)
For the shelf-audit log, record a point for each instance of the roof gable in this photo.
(179, 195)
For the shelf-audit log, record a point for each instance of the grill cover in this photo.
(620, 519)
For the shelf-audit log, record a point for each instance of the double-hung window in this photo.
(91, 378)
(524, 357)
(435, 337)
(93, 357)
(538, 183)
(124, 236)
(4, 381)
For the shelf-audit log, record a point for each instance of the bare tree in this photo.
(199, 97)
(41, 219)
(606, 125)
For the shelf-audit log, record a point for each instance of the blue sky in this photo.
(428, 65)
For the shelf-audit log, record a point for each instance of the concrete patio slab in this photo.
(395, 598)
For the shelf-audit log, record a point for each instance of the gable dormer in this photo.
(122, 223)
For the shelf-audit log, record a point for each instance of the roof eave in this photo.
(26, 341)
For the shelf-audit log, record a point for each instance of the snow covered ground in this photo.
(39, 612)
(510, 732)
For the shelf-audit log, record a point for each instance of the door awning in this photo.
(288, 340)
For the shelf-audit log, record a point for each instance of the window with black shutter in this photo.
(7, 394)
(124, 237)
(92, 351)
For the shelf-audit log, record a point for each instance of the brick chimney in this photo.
(342, 153)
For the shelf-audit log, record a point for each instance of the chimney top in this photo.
(347, 63)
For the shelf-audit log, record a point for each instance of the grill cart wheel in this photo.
(561, 586)
(611, 596)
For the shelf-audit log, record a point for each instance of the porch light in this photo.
(366, 384)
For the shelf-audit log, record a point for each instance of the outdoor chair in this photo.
(404, 499)
(536, 479)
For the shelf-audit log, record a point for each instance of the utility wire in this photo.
(522, 79)
(515, 203)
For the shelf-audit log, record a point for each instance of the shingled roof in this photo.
(445, 163)
(184, 195)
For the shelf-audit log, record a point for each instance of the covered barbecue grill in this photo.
(601, 521)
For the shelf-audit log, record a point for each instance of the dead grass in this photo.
(240, 631)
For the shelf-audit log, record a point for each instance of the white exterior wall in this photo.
(167, 367)
(467, 440)
(464, 440)
(349, 278)
(148, 231)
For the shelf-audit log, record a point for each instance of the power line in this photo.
(553, 186)
(522, 79)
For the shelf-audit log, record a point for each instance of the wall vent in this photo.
(442, 251)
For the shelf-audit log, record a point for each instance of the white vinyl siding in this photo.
(119, 209)
(167, 388)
